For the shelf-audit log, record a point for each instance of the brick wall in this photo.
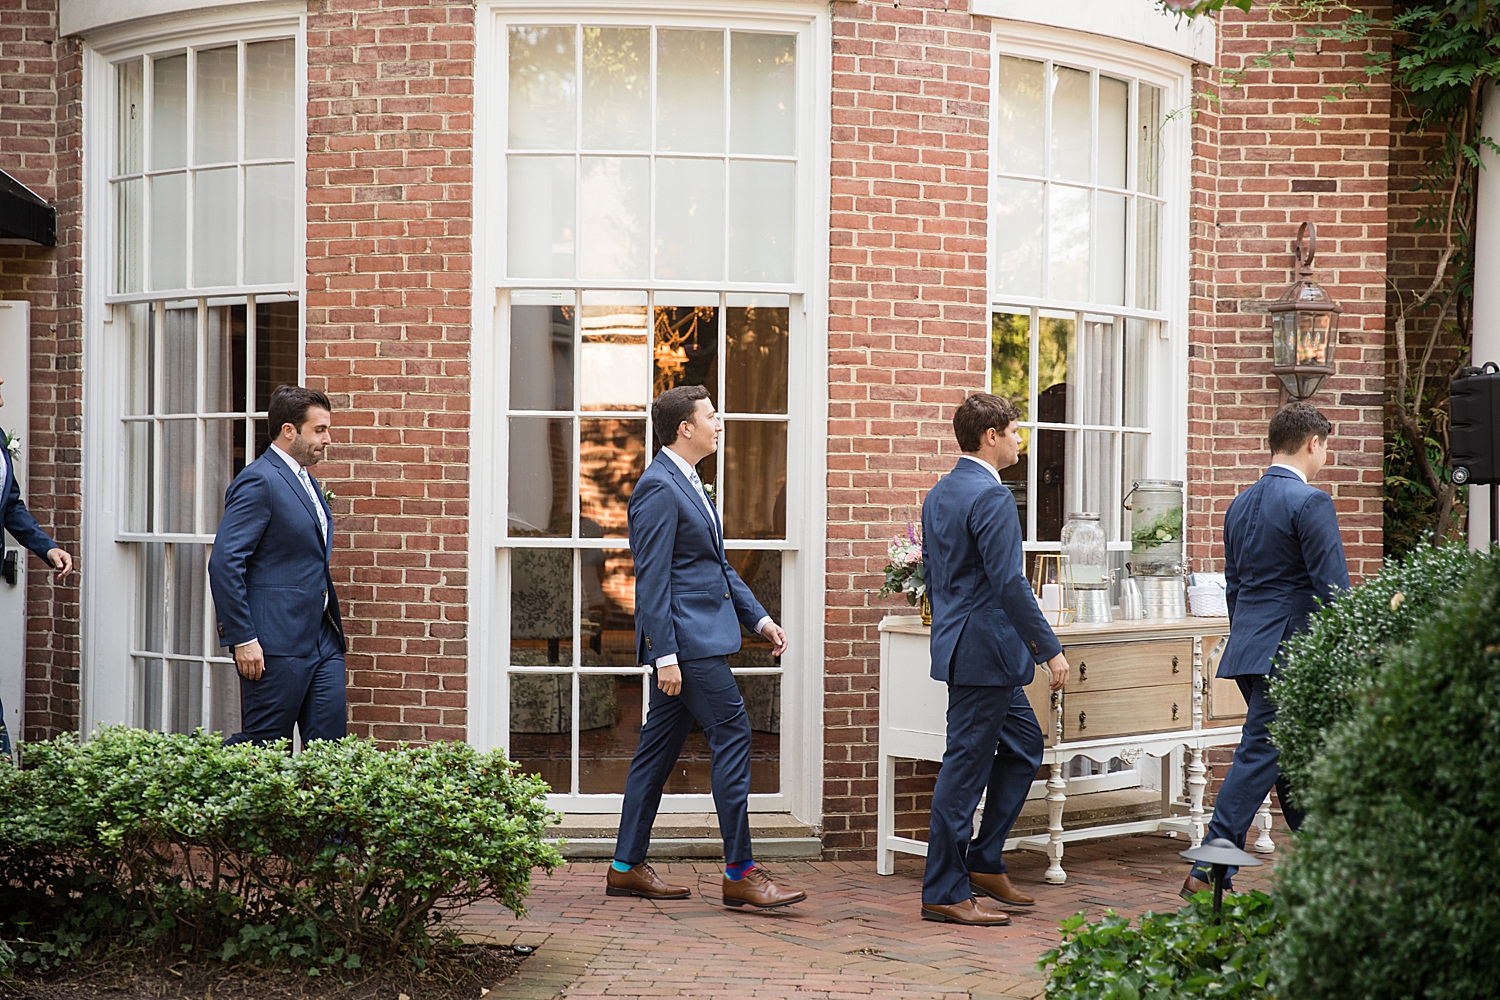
(40, 93)
(389, 231)
(907, 334)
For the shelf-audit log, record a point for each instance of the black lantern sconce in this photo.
(1304, 325)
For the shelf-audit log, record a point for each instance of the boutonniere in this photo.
(13, 445)
(711, 492)
(328, 495)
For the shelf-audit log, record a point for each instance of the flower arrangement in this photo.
(13, 445)
(903, 574)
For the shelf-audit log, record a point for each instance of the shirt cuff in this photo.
(761, 624)
(247, 642)
(670, 660)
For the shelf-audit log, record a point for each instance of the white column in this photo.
(1486, 290)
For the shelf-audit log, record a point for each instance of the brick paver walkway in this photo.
(858, 935)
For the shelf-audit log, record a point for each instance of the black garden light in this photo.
(1219, 854)
(1304, 325)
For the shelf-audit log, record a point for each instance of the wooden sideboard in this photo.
(1137, 688)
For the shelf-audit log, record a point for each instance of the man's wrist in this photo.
(670, 660)
(760, 626)
(241, 645)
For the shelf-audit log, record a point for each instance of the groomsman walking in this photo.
(272, 586)
(689, 606)
(988, 634)
(1282, 554)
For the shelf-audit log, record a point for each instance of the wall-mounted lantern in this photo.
(1304, 325)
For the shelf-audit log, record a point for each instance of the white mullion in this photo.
(1048, 71)
(573, 751)
(148, 96)
(575, 422)
(190, 158)
(1093, 278)
(728, 194)
(1031, 405)
(1113, 490)
(241, 51)
(169, 593)
(721, 463)
(651, 193)
(1132, 207)
(248, 428)
(577, 178)
(158, 437)
(200, 427)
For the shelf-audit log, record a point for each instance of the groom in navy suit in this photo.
(1282, 555)
(988, 635)
(272, 586)
(689, 606)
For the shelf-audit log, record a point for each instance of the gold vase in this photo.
(926, 606)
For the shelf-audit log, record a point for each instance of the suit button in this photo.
(726, 597)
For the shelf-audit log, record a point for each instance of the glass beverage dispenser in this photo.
(1156, 546)
(1083, 544)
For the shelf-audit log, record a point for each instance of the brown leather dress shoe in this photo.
(757, 889)
(1193, 885)
(967, 912)
(997, 885)
(642, 881)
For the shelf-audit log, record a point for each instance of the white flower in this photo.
(710, 492)
(13, 444)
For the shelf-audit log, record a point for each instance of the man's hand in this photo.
(777, 635)
(60, 561)
(669, 679)
(250, 660)
(1058, 666)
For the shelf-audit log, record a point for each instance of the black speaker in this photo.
(1474, 403)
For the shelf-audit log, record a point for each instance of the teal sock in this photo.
(621, 866)
(737, 871)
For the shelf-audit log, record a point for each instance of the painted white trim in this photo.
(111, 24)
(1486, 291)
(1137, 22)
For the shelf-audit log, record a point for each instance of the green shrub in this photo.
(1394, 888)
(342, 854)
(1324, 667)
(1172, 956)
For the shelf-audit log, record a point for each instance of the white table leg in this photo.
(1263, 843)
(885, 823)
(1197, 784)
(1057, 787)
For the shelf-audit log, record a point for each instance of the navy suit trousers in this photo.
(306, 691)
(1255, 770)
(709, 695)
(994, 748)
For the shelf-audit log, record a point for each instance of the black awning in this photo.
(24, 215)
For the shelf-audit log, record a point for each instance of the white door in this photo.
(15, 369)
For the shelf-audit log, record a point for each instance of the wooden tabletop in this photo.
(1165, 628)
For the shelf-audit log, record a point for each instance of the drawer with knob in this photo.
(1090, 715)
(1120, 666)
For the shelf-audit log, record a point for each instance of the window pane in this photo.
(1134, 468)
(224, 713)
(754, 492)
(762, 227)
(690, 219)
(270, 95)
(149, 680)
(139, 470)
(1068, 244)
(129, 239)
(1018, 237)
(607, 616)
(189, 576)
(761, 571)
(224, 389)
(223, 459)
(1114, 130)
(616, 88)
(215, 207)
(542, 86)
(1015, 479)
(686, 351)
(605, 749)
(1096, 375)
(134, 324)
(179, 475)
(1010, 358)
(614, 217)
(169, 231)
(129, 113)
(757, 338)
(541, 357)
(1137, 369)
(180, 358)
(1109, 242)
(762, 93)
(611, 458)
(1051, 483)
(277, 347)
(1019, 120)
(1092, 476)
(616, 364)
(540, 221)
(216, 114)
(1147, 254)
(541, 726)
(541, 606)
(1072, 144)
(1149, 147)
(1054, 369)
(541, 476)
(169, 112)
(151, 626)
(269, 213)
(762, 697)
(690, 91)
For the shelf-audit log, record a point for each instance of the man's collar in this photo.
(985, 465)
(1290, 468)
(291, 463)
(680, 462)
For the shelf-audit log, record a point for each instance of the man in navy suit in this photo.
(272, 586)
(988, 635)
(689, 606)
(16, 519)
(1282, 555)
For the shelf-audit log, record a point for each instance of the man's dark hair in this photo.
(671, 408)
(289, 405)
(1294, 425)
(978, 414)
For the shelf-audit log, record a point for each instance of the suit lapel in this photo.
(695, 500)
(290, 478)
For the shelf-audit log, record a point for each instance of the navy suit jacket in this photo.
(987, 630)
(1282, 554)
(14, 517)
(688, 599)
(269, 569)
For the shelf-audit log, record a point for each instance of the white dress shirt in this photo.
(984, 465)
(1289, 468)
(670, 660)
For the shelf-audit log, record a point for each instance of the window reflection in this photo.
(541, 465)
(754, 498)
(541, 726)
(761, 571)
(611, 458)
(606, 622)
(541, 357)
(755, 376)
(541, 606)
(687, 348)
(613, 366)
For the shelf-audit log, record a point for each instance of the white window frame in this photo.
(804, 548)
(107, 682)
